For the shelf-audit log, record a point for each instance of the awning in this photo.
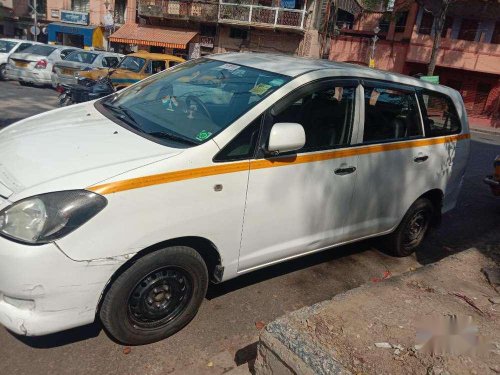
(66, 28)
(152, 36)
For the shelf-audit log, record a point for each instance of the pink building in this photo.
(468, 59)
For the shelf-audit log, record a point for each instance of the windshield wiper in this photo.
(123, 114)
(173, 137)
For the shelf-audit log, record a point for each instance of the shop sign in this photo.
(207, 41)
(70, 16)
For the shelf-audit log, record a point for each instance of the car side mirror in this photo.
(285, 137)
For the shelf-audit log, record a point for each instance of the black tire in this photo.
(2, 72)
(412, 229)
(138, 308)
(22, 83)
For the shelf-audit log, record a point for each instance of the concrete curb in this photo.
(292, 344)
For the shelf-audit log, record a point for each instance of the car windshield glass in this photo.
(193, 101)
(39, 49)
(81, 57)
(6, 46)
(132, 63)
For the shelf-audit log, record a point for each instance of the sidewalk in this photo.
(485, 128)
(373, 329)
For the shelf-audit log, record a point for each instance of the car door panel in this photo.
(298, 203)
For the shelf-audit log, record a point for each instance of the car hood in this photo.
(70, 148)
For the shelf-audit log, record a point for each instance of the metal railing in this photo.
(174, 9)
(257, 14)
(225, 12)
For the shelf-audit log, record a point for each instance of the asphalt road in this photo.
(224, 332)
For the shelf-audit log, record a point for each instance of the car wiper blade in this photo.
(174, 137)
(123, 114)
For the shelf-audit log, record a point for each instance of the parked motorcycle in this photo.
(86, 89)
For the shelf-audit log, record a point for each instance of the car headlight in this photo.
(48, 217)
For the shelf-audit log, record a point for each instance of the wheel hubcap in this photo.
(159, 298)
(416, 227)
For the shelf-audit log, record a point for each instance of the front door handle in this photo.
(344, 171)
(420, 159)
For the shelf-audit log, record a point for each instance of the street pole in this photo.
(374, 39)
(36, 21)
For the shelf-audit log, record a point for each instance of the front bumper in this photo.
(36, 76)
(494, 185)
(43, 291)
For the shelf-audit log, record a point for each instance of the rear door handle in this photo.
(344, 171)
(420, 159)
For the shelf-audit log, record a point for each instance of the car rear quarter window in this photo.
(390, 115)
(440, 114)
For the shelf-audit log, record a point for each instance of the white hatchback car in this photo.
(34, 64)
(125, 208)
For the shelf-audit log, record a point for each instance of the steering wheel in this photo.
(199, 104)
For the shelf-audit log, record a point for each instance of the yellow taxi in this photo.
(135, 67)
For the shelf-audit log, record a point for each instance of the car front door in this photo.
(298, 202)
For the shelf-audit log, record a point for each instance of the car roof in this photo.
(296, 66)
(156, 56)
(20, 40)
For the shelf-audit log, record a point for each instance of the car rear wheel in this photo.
(156, 297)
(412, 229)
(2, 72)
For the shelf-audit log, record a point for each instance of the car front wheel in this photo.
(412, 229)
(156, 297)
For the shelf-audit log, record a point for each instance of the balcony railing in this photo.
(225, 12)
(172, 9)
(256, 15)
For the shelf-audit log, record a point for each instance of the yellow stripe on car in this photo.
(188, 174)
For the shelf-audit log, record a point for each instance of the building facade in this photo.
(468, 59)
(16, 19)
(214, 26)
(87, 23)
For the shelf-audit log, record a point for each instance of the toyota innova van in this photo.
(124, 209)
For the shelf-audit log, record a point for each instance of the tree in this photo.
(439, 9)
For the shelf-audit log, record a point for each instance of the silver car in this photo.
(34, 64)
(65, 72)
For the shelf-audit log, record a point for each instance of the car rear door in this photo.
(299, 202)
(393, 161)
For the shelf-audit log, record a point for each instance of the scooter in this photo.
(86, 89)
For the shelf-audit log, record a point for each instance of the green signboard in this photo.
(431, 79)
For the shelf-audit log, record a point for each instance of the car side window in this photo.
(65, 52)
(390, 115)
(440, 115)
(326, 111)
(243, 145)
(158, 66)
(110, 61)
(172, 63)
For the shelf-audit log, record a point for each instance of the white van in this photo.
(126, 207)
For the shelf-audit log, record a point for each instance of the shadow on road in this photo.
(61, 338)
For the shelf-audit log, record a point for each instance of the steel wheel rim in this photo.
(159, 298)
(416, 227)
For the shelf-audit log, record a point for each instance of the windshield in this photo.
(39, 49)
(194, 101)
(6, 46)
(81, 57)
(132, 63)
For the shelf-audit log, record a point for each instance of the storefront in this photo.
(177, 42)
(75, 31)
